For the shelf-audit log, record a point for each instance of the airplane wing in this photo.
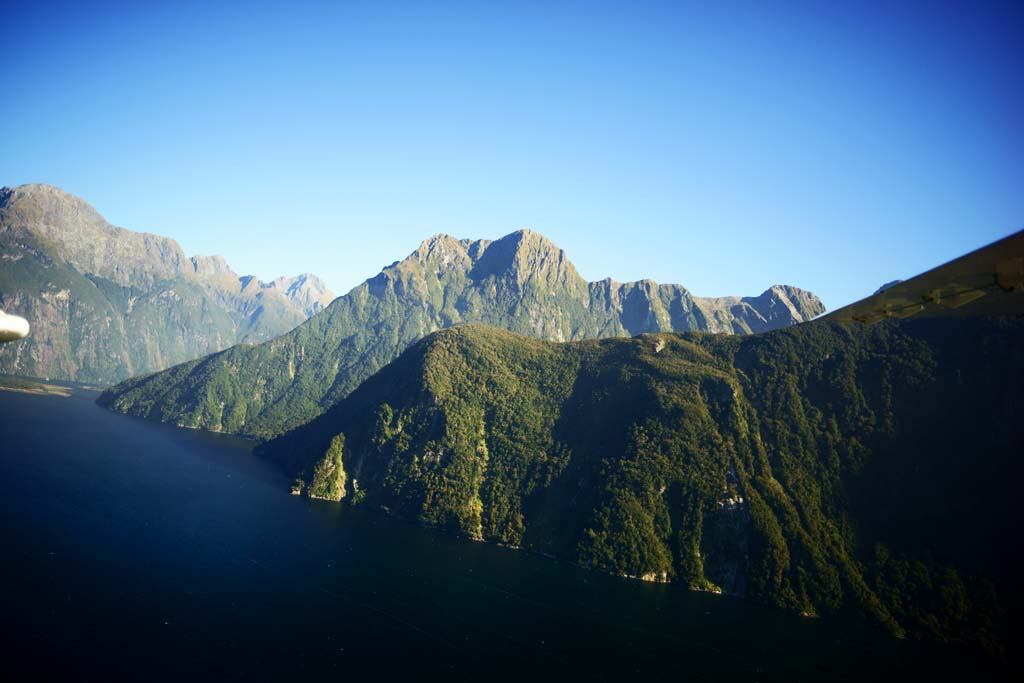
(12, 327)
(989, 281)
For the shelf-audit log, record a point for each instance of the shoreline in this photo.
(25, 386)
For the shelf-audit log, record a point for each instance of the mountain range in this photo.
(486, 388)
(106, 303)
(521, 283)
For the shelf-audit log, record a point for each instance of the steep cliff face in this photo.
(73, 231)
(521, 282)
(106, 303)
(822, 469)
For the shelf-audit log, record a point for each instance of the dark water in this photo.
(138, 551)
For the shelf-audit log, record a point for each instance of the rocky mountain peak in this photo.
(440, 246)
(211, 266)
(529, 244)
(48, 203)
(81, 236)
(306, 291)
(526, 256)
(803, 305)
(521, 256)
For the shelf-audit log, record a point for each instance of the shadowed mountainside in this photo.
(825, 469)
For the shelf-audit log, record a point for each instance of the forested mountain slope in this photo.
(822, 468)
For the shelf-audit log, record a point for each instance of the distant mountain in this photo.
(107, 303)
(521, 282)
(866, 471)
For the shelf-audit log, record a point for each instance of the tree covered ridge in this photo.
(820, 468)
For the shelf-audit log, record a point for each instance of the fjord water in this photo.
(133, 550)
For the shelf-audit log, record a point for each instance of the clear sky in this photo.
(830, 146)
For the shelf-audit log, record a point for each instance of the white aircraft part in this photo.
(12, 327)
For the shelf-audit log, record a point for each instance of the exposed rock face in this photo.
(71, 230)
(106, 303)
(210, 267)
(527, 274)
(522, 283)
(778, 306)
(306, 291)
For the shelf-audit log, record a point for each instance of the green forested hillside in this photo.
(522, 283)
(864, 471)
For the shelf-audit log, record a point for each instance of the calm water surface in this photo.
(137, 551)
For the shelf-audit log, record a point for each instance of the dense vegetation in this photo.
(824, 469)
(521, 283)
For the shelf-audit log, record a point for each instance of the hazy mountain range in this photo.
(522, 283)
(107, 303)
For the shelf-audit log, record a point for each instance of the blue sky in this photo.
(830, 146)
